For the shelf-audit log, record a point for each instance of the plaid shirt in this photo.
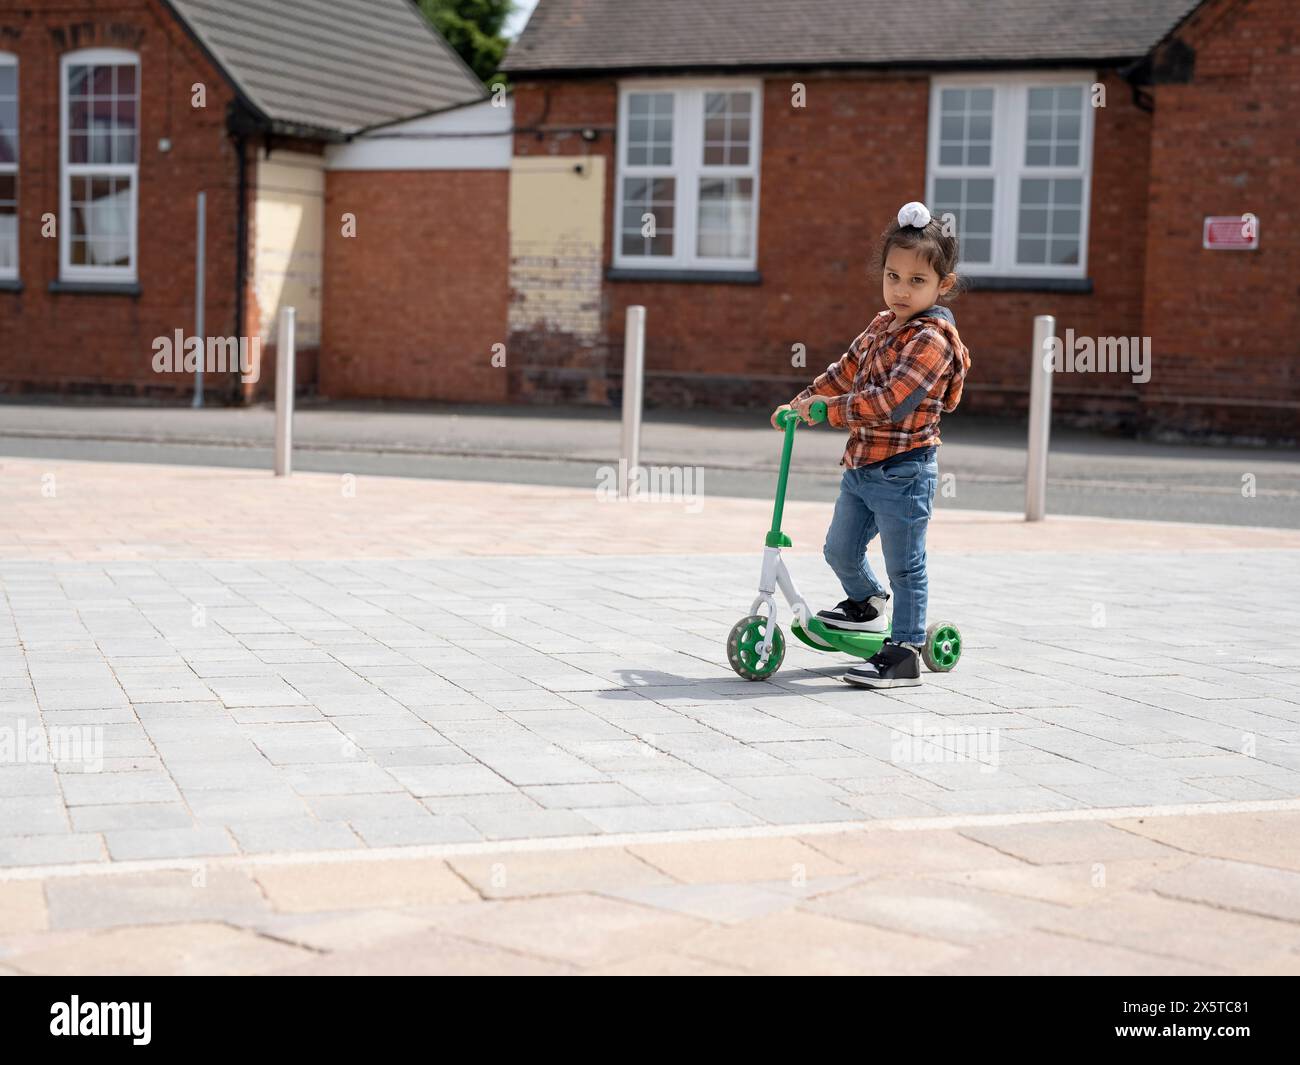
(890, 388)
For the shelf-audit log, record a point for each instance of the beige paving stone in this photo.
(165, 950)
(664, 964)
(1066, 841)
(797, 943)
(730, 861)
(1285, 963)
(720, 903)
(579, 929)
(1070, 884)
(885, 851)
(22, 907)
(139, 511)
(955, 913)
(359, 885)
(1235, 886)
(351, 931)
(1175, 929)
(429, 954)
(161, 897)
(561, 872)
(1036, 953)
(1271, 838)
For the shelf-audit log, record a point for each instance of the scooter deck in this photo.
(818, 635)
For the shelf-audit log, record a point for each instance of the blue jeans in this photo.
(896, 502)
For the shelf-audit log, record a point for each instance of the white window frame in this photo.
(687, 168)
(105, 274)
(1007, 166)
(8, 59)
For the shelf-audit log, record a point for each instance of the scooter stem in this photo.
(788, 419)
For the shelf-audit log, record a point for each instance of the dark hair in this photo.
(937, 243)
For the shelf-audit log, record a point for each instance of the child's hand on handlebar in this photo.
(777, 413)
(801, 407)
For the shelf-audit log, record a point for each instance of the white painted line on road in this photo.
(628, 839)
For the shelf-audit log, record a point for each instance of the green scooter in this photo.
(756, 645)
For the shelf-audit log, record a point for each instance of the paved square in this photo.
(208, 708)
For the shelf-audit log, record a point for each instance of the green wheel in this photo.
(942, 646)
(742, 647)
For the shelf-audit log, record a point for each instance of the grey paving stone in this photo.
(409, 831)
(568, 796)
(51, 850)
(531, 824)
(349, 779)
(677, 816)
(123, 816)
(425, 781)
(99, 789)
(300, 834)
(190, 842)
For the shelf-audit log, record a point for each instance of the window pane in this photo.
(8, 112)
(1053, 126)
(101, 222)
(970, 201)
(726, 218)
(1050, 221)
(966, 127)
(8, 222)
(653, 197)
(650, 129)
(726, 128)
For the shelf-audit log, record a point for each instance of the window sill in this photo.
(1029, 284)
(10, 284)
(711, 277)
(97, 288)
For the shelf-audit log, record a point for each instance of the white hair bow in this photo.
(914, 214)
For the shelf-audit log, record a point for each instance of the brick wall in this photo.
(1226, 325)
(823, 204)
(413, 304)
(71, 342)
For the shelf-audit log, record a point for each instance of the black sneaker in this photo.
(859, 615)
(895, 665)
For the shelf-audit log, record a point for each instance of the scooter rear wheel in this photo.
(742, 647)
(942, 649)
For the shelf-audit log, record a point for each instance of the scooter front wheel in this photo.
(743, 650)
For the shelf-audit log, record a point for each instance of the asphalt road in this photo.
(982, 462)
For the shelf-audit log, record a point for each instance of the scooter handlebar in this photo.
(816, 413)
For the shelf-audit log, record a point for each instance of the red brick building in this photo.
(729, 164)
(1079, 146)
(114, 117)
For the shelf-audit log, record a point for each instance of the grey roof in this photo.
(331, 66)
(699, 34)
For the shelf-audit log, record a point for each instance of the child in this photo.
(889, 390)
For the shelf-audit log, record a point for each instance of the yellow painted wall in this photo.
(557, 222)
(288, 242)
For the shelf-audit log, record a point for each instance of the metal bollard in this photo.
(284, 395)
(200, 253)
(1040, 418)
(633, 386)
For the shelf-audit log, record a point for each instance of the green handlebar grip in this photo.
(816, 413)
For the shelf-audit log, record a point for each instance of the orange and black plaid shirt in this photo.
(889, 389)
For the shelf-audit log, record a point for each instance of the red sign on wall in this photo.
(1231, 232)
